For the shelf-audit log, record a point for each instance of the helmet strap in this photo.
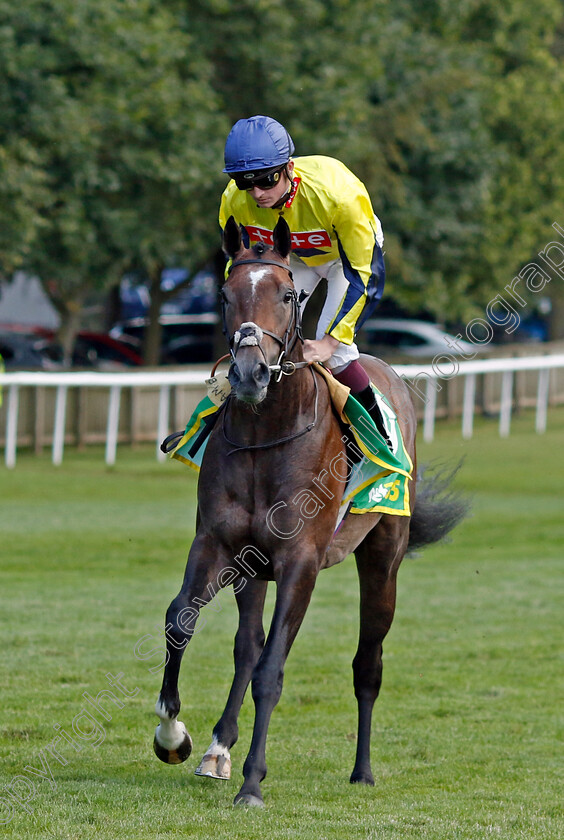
(287, 194)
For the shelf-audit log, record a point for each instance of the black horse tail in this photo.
(438, 508)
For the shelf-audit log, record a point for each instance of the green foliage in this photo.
(479, 151)
(113, 118)
(113, 101)
(424, 101)
(524, 115)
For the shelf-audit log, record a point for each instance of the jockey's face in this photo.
(271, 197)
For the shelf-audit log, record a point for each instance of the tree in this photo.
(122, 126)
(399, 105)
(524, 115)
(483, 179)
(113, 118)
(435, 105)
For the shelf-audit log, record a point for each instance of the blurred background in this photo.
(113, 118)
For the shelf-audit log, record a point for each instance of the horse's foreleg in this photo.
(378, 560)
(292, 599)
(172, 743)
(249, 643)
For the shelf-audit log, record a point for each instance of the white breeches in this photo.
(306, 278)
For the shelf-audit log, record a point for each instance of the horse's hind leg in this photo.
(378, 559)
(249, 642)
(172, 743)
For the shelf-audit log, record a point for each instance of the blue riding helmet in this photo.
(257, 143)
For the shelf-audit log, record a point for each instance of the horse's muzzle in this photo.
(249, 379)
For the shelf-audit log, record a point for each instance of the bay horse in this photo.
(272, 444)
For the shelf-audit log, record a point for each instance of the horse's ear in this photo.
(231, 237)
(282, 237)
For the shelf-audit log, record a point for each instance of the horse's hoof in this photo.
(173, 754)
(249, 799)
(361, 777)
(214, 767)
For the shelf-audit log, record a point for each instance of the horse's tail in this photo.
(438, 508)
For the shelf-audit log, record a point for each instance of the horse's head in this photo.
(260, 310)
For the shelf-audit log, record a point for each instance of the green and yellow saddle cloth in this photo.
(377, 478)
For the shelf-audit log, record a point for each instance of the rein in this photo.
(278, 441)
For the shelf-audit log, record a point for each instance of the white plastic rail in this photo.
(424, 380)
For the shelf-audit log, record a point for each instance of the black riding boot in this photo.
(368, 401)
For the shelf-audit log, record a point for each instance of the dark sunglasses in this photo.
(246, 181)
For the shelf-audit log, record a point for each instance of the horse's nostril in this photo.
(234, 375)
(248, 378)
(261, 374)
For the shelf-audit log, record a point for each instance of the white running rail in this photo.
(423, 380)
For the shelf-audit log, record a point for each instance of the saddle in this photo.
(379, 467)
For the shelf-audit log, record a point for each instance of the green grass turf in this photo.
(467, 736)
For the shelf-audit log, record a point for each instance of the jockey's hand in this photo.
(320, 350)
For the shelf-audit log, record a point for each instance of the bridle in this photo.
(251, 334)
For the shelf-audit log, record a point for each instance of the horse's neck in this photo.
(289, 406)
(292, 396)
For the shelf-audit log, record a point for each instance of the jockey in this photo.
(335, 235)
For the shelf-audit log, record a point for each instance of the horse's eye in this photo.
(288, 297)
(222, 296)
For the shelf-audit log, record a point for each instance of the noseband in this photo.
(250, 334)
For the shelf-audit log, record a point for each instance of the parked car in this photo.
(385, 337)
(20, 352)
(185, 338)
(93, 350)
(198, 297)
(24, 347)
